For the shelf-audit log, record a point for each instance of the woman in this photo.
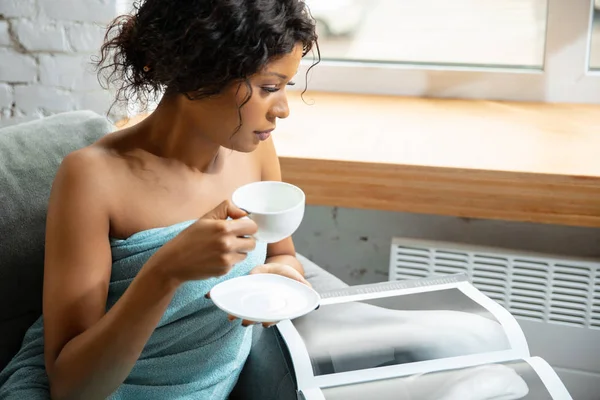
(139, 228)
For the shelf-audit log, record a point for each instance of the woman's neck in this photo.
(169, 132)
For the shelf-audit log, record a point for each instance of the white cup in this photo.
(276, 207)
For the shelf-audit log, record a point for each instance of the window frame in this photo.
(565, 76)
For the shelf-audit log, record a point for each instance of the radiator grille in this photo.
(531, 286)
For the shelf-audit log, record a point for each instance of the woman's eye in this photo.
(270, 89)
(275, 88)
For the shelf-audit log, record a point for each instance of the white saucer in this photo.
(264, 298)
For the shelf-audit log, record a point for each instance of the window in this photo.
(595, 38)
(457, 32)
(524, 50)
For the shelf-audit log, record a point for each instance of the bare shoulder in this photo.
(269, 162)
(86, 171)
(86, 160)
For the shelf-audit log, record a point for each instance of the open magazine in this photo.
(431, 339)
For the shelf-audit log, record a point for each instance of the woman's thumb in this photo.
(226, 209)
(235, 212)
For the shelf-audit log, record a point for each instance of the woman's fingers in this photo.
(244, 245)
(247, 323)
(290, 272)
(242, 227)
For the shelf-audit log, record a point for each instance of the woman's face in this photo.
(220, 115)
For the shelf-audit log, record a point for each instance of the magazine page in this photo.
(396, 329)
(530, 379)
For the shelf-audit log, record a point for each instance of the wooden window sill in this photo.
(480, 159)
(467, 158)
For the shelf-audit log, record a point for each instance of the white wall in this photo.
(45, 54)
(355, 244)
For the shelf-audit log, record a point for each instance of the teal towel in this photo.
(194, 353)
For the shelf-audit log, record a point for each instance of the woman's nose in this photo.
(280, 109)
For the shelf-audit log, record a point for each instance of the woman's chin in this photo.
(244, 147)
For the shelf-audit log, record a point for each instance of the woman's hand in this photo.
(209, 247)
(280, 269)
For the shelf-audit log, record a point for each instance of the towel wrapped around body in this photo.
(195, 352)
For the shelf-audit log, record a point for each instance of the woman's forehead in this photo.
(285, 66)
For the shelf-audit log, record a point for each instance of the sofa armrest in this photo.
(320, 279)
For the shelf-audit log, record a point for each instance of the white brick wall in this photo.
(32, 99)
(79, 10)
(85, 37)
(18, 8)
(67, 71)
(4, 35)
(17, 67)
(6, 96)
(35, 37)
(45, 57)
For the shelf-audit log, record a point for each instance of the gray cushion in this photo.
(30, 154)
(320, 279)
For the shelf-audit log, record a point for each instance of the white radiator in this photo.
(532, 286)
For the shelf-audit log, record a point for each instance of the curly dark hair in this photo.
(198, 47)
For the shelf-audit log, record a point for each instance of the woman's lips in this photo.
(263, 135)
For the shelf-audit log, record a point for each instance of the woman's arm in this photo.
(89, 352)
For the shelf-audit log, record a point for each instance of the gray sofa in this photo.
(30, 153)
